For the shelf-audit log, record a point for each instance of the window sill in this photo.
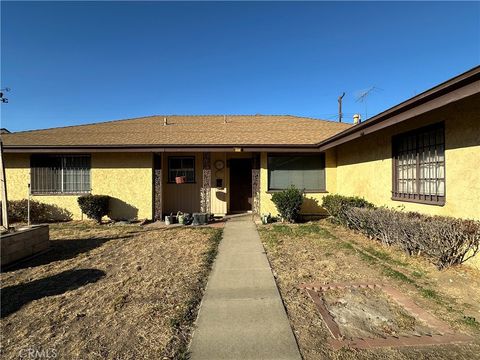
(185, 183)
(419, 201)
(305, 192)
(61, 193)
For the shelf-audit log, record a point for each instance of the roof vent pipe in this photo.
(165, 123)
(224, 119)
(357, 119)
(340, 114)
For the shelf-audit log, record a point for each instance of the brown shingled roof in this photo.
(205, 130)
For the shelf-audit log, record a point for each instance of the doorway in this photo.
(240, 185)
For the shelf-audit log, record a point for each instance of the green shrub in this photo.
(39, 212)
(444, 240)
(288, 203)
(337, 206)
(94, 206)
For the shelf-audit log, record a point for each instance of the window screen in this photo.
(303, 171)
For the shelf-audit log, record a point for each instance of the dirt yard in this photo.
(107, 292)
(325, 253)
(369, 313)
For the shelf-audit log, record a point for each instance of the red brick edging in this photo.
(445, 334)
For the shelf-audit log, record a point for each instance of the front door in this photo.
(240, 185)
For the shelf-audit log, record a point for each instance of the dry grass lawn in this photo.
(107, 292)
(326, 253)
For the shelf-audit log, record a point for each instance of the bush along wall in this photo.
(94, 206)
(338, 205)
(288, 203)
(39, 212)
(444, 240)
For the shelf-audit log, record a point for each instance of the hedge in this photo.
(94, 206)
(288, 203)
(39, 212)
(337, 205)
(445, 241)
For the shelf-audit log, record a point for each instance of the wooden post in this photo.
(28, 206)
(4, 189)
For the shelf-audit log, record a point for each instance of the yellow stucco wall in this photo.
(17, 172)
(474, 262)
(364, 166)
(312, 202)
(127, 178)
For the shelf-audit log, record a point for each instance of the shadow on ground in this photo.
(16, 296)
(64, 249)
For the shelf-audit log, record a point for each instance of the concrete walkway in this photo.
(242, 315)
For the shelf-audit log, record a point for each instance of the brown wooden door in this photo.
(240, 185)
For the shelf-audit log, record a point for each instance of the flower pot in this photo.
(169, 219)
(180, 179)
(181, 219)
(266, 218)
(200, 219)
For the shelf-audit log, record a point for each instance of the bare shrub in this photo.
(444, 240)
(39, 212)
(338, 205)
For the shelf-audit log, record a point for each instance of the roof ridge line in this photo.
(70, 126)
(173, 115)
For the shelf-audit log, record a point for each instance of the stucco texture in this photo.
(312, 201)
(364, 166)
(127, 178)
(17, 172)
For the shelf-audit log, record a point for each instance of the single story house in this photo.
(422, 154)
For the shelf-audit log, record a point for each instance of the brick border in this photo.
(445, 334)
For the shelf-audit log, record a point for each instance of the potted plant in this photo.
(180, 179)
(266, 218)
(180, 217)
(169, 219)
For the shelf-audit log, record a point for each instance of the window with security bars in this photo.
(181, 166)
(419, 165)
(60, 174)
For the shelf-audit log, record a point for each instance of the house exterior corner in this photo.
(365, 165)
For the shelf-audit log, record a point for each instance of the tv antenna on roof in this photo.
(362, 96)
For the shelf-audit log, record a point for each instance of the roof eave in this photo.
(162, 148)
